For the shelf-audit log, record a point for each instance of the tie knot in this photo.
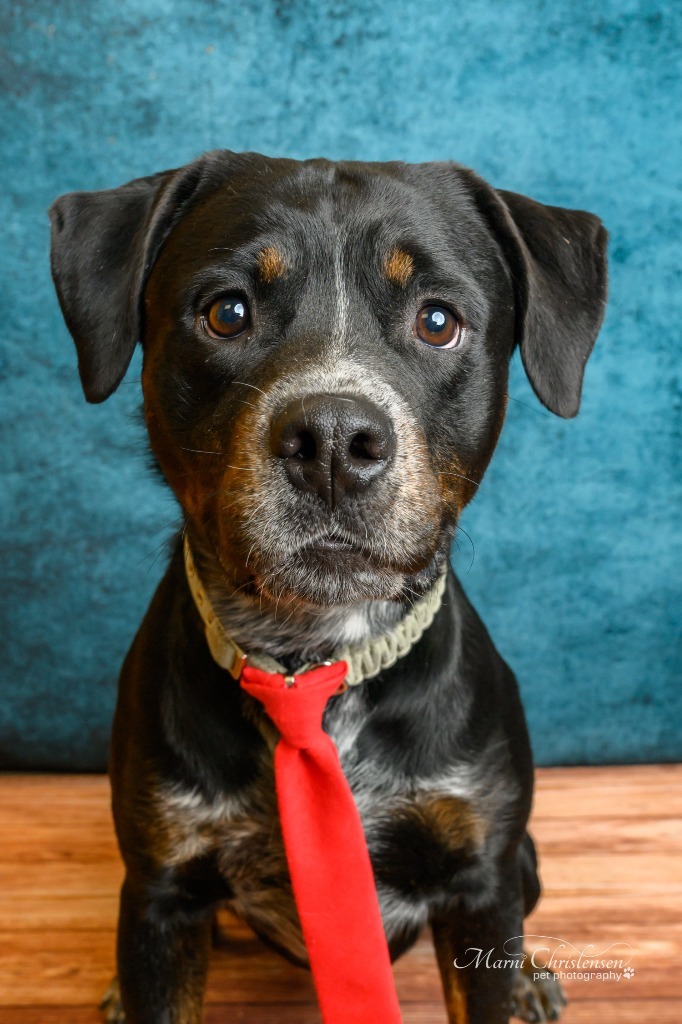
(296, 708)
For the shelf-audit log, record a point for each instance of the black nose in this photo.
(333, 445)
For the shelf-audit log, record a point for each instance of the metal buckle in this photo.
(237, 666)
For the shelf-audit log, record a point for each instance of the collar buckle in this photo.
(237, 667)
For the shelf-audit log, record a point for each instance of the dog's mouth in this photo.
(335, 545)
(329, 556)
(330, 569)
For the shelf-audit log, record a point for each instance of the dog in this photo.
(325, 370)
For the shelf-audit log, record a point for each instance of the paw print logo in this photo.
(629, 972)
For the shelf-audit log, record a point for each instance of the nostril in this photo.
(367, 448)
(307, 445)
(297, 444)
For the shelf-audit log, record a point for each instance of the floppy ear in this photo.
(557, 260)
(103, 247)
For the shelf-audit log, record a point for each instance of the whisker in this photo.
(202, 451)
(473, 547)
(533, 408)
(245, 385)
(461, 476)
(246, 563)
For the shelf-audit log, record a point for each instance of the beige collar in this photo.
(364, 660)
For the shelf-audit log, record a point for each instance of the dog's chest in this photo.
(421, 833)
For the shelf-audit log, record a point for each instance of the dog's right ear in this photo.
(104, 245)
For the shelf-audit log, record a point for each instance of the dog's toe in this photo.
(111, 1007)
(537, 999)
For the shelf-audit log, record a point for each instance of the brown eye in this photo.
(438, 327)
(227, 317)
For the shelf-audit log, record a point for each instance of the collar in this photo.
(364, 660)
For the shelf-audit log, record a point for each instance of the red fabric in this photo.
(330, 869)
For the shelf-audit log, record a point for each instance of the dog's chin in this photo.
(326, 574)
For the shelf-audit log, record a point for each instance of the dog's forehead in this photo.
(283, 193)
(274, 215)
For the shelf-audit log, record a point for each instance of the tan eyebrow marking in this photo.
(270, 264)
(399, 267)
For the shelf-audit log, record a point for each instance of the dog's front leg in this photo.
(475, 993)
(485, 977)
(477, 952)
(162, 953)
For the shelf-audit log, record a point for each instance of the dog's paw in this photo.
(536, 999)
(111, 1007)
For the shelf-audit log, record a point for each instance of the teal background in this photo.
(576, 528)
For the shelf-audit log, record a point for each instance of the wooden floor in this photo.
(611, 851)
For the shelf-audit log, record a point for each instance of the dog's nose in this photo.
(333, 445)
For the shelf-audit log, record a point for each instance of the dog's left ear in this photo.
(103, 247)
(557, 260)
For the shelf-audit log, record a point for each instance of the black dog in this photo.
(326, 351)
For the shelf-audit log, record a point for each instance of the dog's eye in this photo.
(437, 326)
(227, 317)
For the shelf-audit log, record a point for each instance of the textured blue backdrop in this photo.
(576, 526)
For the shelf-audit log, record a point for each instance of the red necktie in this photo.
(331, 873)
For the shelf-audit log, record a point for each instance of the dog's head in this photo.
(326, 349)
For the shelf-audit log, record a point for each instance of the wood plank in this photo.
(653, 1011)
(616, 792)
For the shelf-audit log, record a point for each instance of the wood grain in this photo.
(610, 841)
